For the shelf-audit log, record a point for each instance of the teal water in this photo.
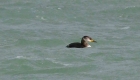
(34, 33)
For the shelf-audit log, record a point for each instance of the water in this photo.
(34, 33)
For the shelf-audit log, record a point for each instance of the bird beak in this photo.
(93, 41)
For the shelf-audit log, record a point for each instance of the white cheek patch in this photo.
(87, 40)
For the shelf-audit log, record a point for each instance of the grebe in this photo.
(83, 43)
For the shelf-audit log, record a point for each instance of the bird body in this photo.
(83, 44)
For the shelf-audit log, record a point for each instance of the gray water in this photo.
(34, 33)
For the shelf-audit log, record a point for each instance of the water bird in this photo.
(83, 44)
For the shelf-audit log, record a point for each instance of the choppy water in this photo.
(34, 33)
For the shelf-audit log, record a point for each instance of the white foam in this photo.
(43, 18)
(37, 16)
(59, 8)
(57, 62)
(19, 57)
(125, 28)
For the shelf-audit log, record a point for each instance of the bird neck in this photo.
(84, 43)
